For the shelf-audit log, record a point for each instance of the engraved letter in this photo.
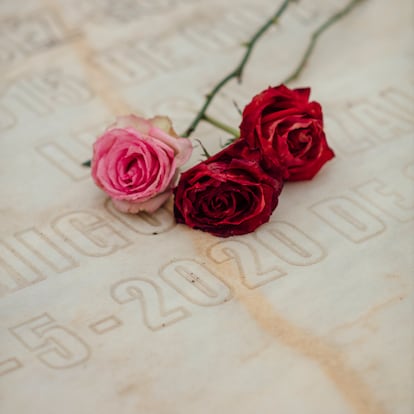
(89, 233)
(348, 218)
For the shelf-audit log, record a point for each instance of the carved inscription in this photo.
(123, 11)
(54, 345)
(133, 62)
(42, 94)
(227, 31)
(7, 118)
(367, 123)
(64, 158)
(17, 271)
(23, 36)
(144, 223)
(397, 204)
(372, 114)
(270, 253)
(155, 313)
(45, 249)
(351, 129)
(163, 298)
(89, 233)
(9, 365)
(28, 257)
(105, 325)
(32, 255)
(247, 258)
(349, 218)
(65, 154)
(195, 282)
(290, 244)
(408, 171)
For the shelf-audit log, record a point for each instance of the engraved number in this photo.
(247, 260)
(54, 345)
(154, 313)
(196, 283)
(290, 244)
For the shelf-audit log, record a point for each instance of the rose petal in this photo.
(287, 129)
(149, 206)
(136, 163)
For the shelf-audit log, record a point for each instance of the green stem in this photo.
(300, 67)
(237, 72)
(315, 36)
(213, 121)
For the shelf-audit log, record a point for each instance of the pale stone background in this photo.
(312, 314)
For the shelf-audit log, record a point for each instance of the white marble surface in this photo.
(312, 314)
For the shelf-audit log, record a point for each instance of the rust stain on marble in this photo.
(364, 318)
(101, 84)
(330, 360)
(256, 353)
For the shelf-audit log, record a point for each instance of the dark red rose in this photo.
(287, 127)
(229, 193)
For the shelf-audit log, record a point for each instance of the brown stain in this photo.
(133, 389)
(399, 280)
(256, 353)
(96, 78)
(364, 319)
(330, 359)
(127, 389)
(140, 393)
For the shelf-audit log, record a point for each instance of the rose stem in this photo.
(314, 37)
(220, 125)
(236, 73)
(299, 68)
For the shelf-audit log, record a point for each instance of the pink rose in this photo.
(136, 162)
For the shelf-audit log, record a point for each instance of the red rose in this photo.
(287, 127)
(229, 193)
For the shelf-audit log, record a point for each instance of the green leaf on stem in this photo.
(205, 152)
